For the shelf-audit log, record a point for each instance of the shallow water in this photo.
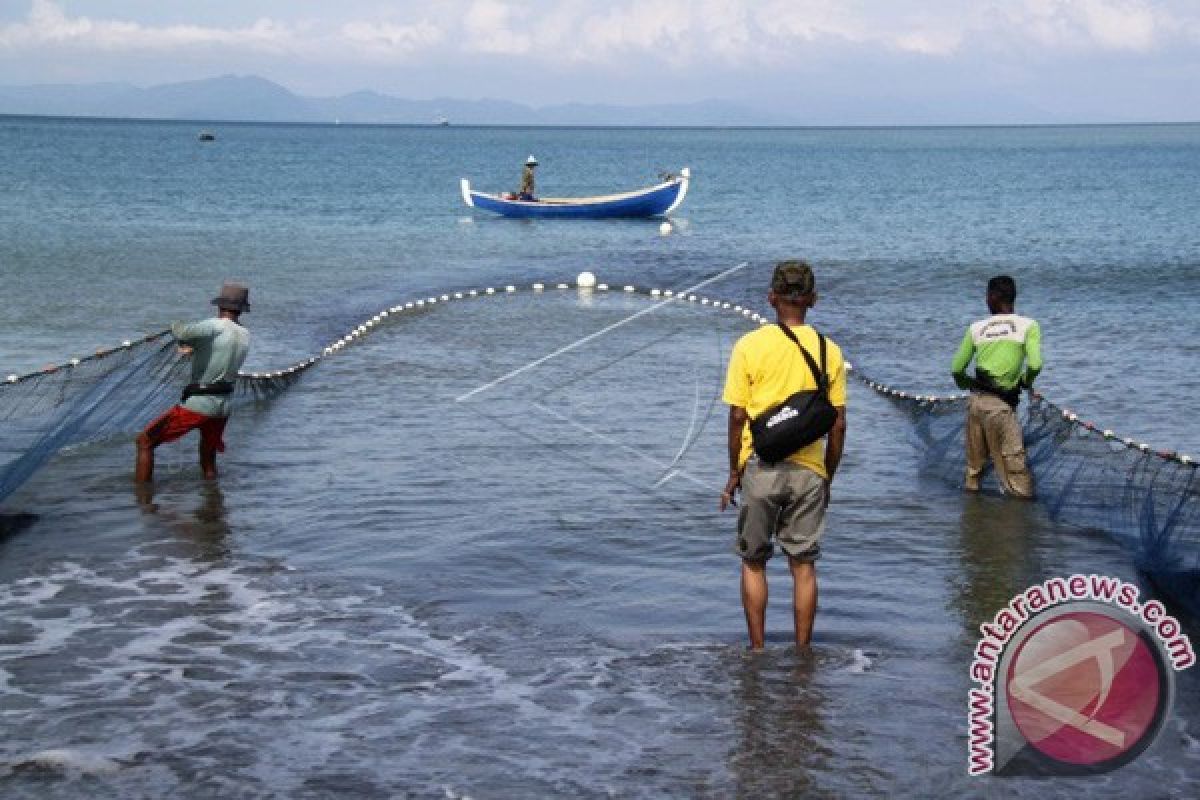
(530, 593)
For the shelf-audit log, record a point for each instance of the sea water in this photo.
(532, 594)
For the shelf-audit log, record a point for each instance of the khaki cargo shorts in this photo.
(784, 501)
(993, 433)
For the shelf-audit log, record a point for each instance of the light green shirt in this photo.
(219, 350)
(1000, 345)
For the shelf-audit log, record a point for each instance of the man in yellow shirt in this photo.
(785, 500)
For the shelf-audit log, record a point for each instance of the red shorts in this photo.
(179, 421)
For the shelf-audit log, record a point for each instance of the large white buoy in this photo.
(586, 280)
(665, 229)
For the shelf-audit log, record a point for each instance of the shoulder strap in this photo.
(818, 372)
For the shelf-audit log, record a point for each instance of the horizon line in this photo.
(602, 126)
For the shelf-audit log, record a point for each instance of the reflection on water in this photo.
(998, 537)
(779, 719)
(204, 527)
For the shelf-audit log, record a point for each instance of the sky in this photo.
(845, 60)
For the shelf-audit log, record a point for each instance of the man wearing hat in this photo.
(218, 348)
(785, 500)
(526, 191)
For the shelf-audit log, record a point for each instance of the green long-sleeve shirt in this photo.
(1001, 345)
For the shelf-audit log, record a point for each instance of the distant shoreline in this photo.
(514, 126)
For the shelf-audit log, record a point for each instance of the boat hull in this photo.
(651, 202)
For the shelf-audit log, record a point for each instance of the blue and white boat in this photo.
(657, 200)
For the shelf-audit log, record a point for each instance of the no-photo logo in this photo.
(1085, 688)
(1075, 677)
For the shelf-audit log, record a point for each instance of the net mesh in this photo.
(111, 393)
(1146, 499)
(1085, 476)
(115, 393)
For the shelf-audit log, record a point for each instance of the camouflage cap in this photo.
(793, 278)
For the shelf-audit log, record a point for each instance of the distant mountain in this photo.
(254, 99)
(227, 98)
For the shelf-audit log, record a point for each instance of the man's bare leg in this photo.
(754, 601)
(144, 492)
(208, 462)
(143, 470)
(804, 599)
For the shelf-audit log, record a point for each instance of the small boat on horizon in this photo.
(207, 136)
(658, 200)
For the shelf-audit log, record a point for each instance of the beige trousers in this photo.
(993, 432)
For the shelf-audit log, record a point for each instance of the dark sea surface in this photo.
(532, 594)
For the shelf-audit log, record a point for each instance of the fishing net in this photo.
(111, 393)
(1148, 500)
(585, 388)
(114, 393)
(1085, 476)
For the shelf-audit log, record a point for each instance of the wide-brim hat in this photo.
(531, 162)
(233, 297)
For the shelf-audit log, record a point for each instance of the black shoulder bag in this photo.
(800, 420)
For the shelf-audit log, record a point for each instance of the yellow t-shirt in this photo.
(767, 368)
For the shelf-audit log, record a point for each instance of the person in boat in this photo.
(526, 191)
(786, 500)
(217, 347)
(1007, 350)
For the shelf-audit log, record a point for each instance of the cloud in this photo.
(683, 33)
(1131, 26)
(48, 25)
(489, 28)
(661, 28)
(1083, 25)
(387, 39)
(678, 34)
(806, 21)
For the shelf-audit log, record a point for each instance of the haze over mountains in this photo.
(254, 99)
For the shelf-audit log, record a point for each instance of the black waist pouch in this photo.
(986, 383)
(219, 387)
(800, 420)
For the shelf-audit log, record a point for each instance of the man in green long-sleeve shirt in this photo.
(1007, 351)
